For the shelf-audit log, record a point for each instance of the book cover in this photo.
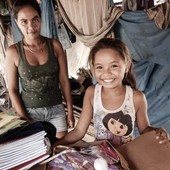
(28, 139)
(10, 125)
(6, 118)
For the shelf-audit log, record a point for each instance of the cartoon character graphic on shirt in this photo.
(119, 124)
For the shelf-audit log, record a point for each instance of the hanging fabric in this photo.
(16, 33)
(3, 8)
(48, 24)
(3, 42)
(149, 47)
(160, 14)
(88, 20)
(63, 31)
(63, 36)
(4, 96)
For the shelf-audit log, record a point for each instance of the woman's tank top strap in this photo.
(19, 46)
(49, 47)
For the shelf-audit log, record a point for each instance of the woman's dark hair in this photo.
(19, 4)
(121, 48)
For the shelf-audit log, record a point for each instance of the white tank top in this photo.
(117, 126)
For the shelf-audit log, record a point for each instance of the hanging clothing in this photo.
(160, 14)
(48, 24)
(89, 21)
(50, 27)
(16, 33)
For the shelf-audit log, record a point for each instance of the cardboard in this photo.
(145, 153)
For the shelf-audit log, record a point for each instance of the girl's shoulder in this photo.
(89, 94)
(138, 93)
(90, 89)
(138, 96)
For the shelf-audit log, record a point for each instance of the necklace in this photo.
(40, 49)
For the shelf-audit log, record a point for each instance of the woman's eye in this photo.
(36, 19)
(23, 22)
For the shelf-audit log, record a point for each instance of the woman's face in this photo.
(29, 22)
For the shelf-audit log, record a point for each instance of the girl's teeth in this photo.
(107, 81)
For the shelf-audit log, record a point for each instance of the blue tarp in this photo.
(150, 50)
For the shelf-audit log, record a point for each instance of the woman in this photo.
(41, 66)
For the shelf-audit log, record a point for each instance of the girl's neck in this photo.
(114, 91)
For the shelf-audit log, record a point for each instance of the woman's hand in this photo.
(162, 135)
(70, 120)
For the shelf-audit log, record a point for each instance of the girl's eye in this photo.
(114, 65)
(99, 67)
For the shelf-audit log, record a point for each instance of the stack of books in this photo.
(20, 146)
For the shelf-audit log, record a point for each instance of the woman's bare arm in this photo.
(11, 64)
(83, 123)
(64, 81)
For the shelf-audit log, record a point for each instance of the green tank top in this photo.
(39, 84)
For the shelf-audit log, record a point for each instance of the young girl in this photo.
(115, 103)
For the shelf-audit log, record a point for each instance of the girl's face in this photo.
(29, 22)
(109, 68)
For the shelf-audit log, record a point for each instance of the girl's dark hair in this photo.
(19, 4)
(121, 48)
